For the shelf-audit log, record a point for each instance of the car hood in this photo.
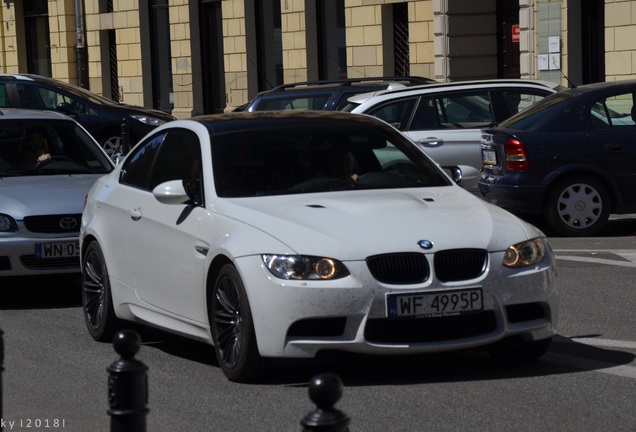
(137, 110)
(45, 194)
(348, 225)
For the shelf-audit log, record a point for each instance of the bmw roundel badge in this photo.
(425, 244)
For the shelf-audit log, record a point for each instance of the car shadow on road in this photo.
(565, 356)
(40, 292)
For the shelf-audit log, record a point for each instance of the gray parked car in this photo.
(48, 162)
(445, 119)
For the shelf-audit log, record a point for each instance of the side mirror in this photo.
(171, 192)
(454, 172)
(65, 108)
(178, 192)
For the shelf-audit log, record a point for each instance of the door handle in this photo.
(431, 142)
(614, 147)
(135, 214)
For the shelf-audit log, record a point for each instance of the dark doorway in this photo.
(213, 71)
(508, 55)
(36, 23)
(592, 41)
(161, 56)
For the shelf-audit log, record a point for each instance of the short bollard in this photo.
(127, 385)
(325, 390)
(1, 370)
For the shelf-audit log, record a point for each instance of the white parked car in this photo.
(446, 119)
(281, 234)
(48, 162)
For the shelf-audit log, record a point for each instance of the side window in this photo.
(52, 98)
(396, 113)
(467, 111)
(29, 97)
(425, 116)
(518, 100)
(179, 158)
(617, 112)
(4, 101)
(136, 168)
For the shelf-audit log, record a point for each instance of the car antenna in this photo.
(564, 75)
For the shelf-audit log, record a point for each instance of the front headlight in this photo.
(7, 223)
(304, 267)
(152, 121)
(526, 253)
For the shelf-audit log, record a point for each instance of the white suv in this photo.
(446, 119)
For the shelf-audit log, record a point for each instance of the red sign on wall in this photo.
(516, 31)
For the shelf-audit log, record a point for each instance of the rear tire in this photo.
(232, 327)
(578, 206)
(97, 302)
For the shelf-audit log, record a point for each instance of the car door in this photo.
(613, 139)
(165, 268)
(448, 126)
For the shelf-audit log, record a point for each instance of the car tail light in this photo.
(516, 158)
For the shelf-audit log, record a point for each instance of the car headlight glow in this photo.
(152, 121)
(7, 223)
(299, 267)
(526, 253)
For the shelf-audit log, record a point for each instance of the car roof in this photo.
(601, 86)
(456, 85)
(244, 120)
(30, 114)
(350, 82)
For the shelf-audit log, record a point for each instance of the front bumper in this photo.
(18, 256)
(300, 318)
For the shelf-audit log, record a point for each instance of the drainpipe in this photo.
(82, 60)
(2, 36)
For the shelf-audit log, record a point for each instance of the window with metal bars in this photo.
(401, 39)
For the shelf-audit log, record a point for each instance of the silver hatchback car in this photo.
(48, 162)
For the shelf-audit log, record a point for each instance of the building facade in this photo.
(208, 56)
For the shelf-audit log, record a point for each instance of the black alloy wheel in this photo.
(233, 328)
(97, 303)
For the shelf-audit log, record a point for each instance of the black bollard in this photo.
(325, 390)
(124, 148)
(127, 385)
(1, 370)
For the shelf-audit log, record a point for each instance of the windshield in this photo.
(82, 93)
(318, 159)
(45, 147)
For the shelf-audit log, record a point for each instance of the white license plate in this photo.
(489, 157)
(434, 304)
(56, 250)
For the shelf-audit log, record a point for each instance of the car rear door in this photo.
(448, 126)
(613, 139)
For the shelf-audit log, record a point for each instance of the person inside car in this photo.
(34, 150)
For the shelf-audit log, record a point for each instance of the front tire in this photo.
(578, 206)
(232, 327)
(97, 303)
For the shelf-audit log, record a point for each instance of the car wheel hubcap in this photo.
(228, 322)
(93, 288)
(112, 145)
(580, 206)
